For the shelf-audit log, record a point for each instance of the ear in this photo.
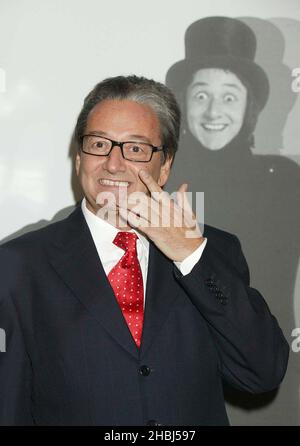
(77, 163)
(165, 171)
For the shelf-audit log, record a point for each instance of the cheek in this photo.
(153, 168)
(160, 174)
(195, 116)
(89, 166)
(195, 110)
(240, 111)
(238, 117)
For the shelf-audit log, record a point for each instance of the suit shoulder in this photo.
(224, 242)
(34, 239)
(217, 234)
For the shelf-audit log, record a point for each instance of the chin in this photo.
(212, 144)
(215, 148)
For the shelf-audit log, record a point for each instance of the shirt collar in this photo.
(102, 231)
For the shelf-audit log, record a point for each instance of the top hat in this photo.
(220, 42)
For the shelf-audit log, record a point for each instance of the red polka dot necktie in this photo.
(127, 282)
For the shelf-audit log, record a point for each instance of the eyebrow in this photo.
(139, 138)
(203, 84)
(237, 87)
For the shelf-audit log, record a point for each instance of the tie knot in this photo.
(126, 240)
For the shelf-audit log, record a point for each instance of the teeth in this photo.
(216, 127)
(113, 183)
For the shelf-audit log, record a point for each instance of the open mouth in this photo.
(214, 127)
(114, 183)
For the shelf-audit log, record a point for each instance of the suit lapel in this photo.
(161, 293)
(75, 258)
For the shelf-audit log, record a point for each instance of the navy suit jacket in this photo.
(70, 358)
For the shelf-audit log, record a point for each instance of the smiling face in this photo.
(216, 102)
(120, 120)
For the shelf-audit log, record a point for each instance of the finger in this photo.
(189, 217)
(180, 194)
(186, 205)
(149, 181)
(156, 192)
(151, 211)
(137, 203)
(183, 188)
(182, 199)
(134, 220)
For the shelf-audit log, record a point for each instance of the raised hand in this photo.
(171, 225)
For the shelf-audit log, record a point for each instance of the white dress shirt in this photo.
(103, 234)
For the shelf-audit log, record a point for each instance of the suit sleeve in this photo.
(15, 370)
(252, 349)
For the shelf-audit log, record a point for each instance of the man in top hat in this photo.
(215, 47)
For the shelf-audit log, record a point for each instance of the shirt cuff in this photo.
(186, 266)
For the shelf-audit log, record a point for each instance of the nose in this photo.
(115, 162)
(213, 110)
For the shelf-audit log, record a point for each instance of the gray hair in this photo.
(143, 91)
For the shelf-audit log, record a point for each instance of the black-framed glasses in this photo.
(136, 151)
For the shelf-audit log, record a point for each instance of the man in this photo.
(110, 325)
